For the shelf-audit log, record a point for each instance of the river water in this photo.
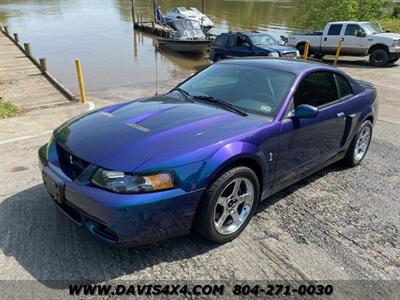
(100, 34)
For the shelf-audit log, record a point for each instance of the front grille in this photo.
(71, 165)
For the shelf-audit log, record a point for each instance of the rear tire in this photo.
(359, 146)
(379, 57)
(228, 205)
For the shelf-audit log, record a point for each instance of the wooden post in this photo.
(154, 10)
(339, 47)
(80, 80)
(153, 26)
(16, 38)
(28, 50)
(306, 50)
(203, 6)
(133, 11)
(141, 21)
(6, 30)
(43, 64)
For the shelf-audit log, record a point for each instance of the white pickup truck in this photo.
(359, 39)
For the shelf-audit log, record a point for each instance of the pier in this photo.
(24, 80)
(152, 27)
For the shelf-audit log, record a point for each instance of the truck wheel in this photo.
(318, 55)
(393, 60)
(300, 47)
(379, 57)
(218, 57)
(228, 205)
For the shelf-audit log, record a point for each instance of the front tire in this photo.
(379, 58)
(359, 146)
(318, 55)
(217, 58)
(228, 205)
(301, 47)
(393, 60)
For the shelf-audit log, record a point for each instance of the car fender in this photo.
(227, 156)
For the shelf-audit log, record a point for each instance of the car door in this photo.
(306, 143)
(354, 43)
(241, 47)
(330, 38)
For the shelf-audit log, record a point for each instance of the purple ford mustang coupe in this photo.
(202, 156)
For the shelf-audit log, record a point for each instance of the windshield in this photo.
(371, 28)
(252, 89)
(262, 40)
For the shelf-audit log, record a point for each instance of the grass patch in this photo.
(8, 110)
(390, 24)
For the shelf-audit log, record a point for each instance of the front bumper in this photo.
(394, 50)
(121, 219)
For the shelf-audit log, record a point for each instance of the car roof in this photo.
(245, 32)
(348, 22)
(284, 64)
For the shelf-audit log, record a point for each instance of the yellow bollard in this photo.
(306, 50)
(339, 47)
(80, 80)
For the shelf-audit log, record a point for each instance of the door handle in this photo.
(325, 39)
(340, 115)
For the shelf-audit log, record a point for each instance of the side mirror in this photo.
(360, 33)
(304, 111)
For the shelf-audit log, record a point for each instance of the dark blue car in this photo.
(241, 44)
(203, 155)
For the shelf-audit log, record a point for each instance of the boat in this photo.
(192, 14)
(185, 36)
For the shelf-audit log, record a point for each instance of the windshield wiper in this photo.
(187, 96)
(222, 103)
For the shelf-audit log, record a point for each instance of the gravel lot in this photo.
(339, 224)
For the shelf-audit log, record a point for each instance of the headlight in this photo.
(49, 144)
(273, 54)
(396, 43)
(120, 182)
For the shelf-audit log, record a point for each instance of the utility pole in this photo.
(203, 6)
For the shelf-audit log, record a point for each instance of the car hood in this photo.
(394, 36)
(124, 136)
(278, 48)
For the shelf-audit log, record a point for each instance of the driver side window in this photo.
(352, 29)
(317, 89)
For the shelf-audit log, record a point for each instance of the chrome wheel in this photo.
(234, 205)
(362, 143)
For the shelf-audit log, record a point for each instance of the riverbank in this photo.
(22, 83)
(390, 24)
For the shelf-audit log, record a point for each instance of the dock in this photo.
(153, 28)
(23, 82)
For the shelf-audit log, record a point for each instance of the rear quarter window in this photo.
(343, 86)
(221, 40)
(335, 29)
